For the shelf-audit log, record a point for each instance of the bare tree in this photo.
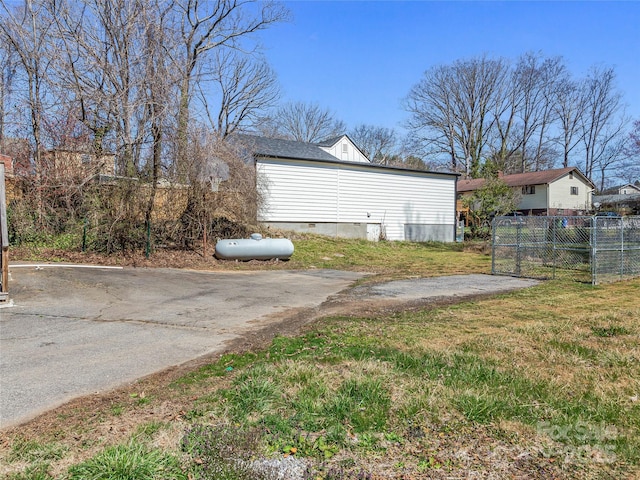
(451, 110)
(224, 188)
(610, 159)
(25, 29)
(629, 170)
(603, 121)
(433, 122)
(104, 65)
(378, 143)
(79, 70)
(304, 122)
(634, 135)
(507, 142)
(158, 88)
(245, 89)
(543, 154)
(206, 25)
(569, 109)
(535, 78)
(484, 115)
(7, 74)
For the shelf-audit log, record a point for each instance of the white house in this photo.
(629, 189)
(562, 191)
(331, 188)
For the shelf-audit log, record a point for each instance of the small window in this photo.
(574, 190)
(529, 190)
(570, 175)
(345, 148)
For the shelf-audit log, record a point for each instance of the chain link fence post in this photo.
(587, 249)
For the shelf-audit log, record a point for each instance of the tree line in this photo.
(161, 84)
(132, 77)
(141, 79)
(157, 83)
(483, 114)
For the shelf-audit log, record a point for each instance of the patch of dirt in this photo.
(161, 258)
(481, 247)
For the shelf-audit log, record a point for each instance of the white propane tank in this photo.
(254, 248)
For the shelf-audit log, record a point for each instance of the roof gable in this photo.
(629, 186)
(343, 148)
(330, 142)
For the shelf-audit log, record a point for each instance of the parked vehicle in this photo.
(513, 218)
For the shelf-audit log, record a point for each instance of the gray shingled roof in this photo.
(278, 148)
(329, 142)
(289, 149)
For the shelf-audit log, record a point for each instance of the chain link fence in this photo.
(587, 249)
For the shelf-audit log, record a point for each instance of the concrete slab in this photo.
(442, 287)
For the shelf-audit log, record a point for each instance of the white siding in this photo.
(344, 150)
(533, 201)
(299, 191)
(560, 193)
(628, 190)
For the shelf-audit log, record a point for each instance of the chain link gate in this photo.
(587, 249)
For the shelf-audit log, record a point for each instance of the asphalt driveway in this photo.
(76, 331)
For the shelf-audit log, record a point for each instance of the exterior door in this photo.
(373, 232)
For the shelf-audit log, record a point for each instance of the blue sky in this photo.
(360, 58)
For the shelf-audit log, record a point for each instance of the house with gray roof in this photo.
(331, 188)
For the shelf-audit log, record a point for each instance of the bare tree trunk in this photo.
(205, 27)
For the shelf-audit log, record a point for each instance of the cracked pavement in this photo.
(78, 331)
(72, 331)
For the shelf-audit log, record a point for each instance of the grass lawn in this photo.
(540, 383)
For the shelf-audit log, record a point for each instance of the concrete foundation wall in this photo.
(344, 230)
(412, 232)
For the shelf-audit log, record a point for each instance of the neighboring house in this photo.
(624, 200)
(629, 189)
(11, 191)
(19, 150)
(331, 188)
(624, 204)
(344, 149)
(66, 164)
(562, 191)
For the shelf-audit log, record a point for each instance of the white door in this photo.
(373, 232)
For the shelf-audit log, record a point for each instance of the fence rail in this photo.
(588, 249)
